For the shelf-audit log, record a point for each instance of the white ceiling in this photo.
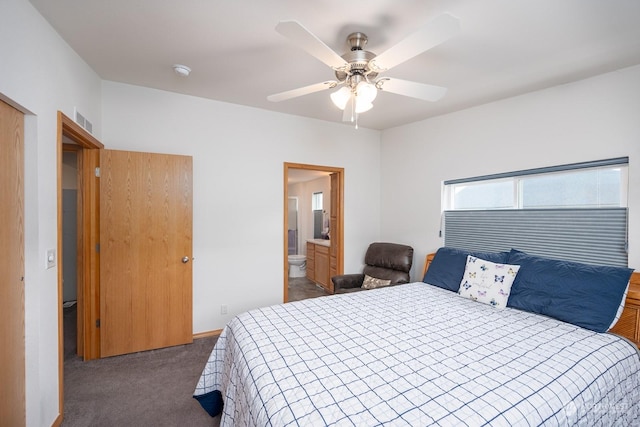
(505, 47)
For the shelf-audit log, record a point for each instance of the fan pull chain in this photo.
(354, 115)
(353, 108)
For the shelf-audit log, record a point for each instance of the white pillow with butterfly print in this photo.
(487, 282)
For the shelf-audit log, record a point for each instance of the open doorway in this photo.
(72, 137)
(303, 186)
(69, 254)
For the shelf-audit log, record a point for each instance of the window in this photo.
(595, 187)
(316, 201)
(495, 194)
(576, 212)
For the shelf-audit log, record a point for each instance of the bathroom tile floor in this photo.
(302, 288)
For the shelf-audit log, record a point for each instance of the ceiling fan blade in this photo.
(436, 31)
(308, 41)
(413, 89)
(282, 96)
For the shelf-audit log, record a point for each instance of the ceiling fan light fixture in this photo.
(366, 92)
(362, 107)
(341, 97)
(357, 70)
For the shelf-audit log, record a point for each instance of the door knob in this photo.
(185, 259)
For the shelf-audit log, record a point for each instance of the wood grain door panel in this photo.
(12, 344)
(145, 232)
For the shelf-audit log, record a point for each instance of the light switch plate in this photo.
(50, 260)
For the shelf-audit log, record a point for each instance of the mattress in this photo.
(416, 355)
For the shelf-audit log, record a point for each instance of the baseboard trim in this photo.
(58, 421)
(207, 334)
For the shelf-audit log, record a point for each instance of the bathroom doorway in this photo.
(332, 179)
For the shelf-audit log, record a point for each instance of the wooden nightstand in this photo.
(427, 262)
(628, 325)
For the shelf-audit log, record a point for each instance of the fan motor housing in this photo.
(357, 64)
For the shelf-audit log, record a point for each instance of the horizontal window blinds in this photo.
(592, 236)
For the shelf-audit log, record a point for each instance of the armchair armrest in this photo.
(347, 282)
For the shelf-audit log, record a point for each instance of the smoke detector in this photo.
(181, 70)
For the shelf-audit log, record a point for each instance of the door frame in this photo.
(71, 130)
(340, 210)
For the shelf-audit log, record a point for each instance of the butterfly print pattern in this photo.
(488, 282)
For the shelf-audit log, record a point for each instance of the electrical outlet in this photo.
(223, 309)
(50, 260)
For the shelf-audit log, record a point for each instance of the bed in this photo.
(417, 355)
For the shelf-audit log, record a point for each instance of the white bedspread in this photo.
(418, 355)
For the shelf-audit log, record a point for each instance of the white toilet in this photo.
(297, 265)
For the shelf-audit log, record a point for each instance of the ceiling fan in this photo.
(358, 70)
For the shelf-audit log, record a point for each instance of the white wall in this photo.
(238, 166)
(41, 74)
(592, 119)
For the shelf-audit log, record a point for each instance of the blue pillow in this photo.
(582, 294)
(448, 264)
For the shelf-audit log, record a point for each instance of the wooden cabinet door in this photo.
(311, 261)
(145, 251)
(322, 266)
(12, 344)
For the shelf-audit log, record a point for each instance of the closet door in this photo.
(145, 251)
(12, 345)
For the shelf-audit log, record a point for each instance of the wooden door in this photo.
(12, 346)
(145, 251)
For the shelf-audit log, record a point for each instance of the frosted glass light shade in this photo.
(361, 107)
(341, 97)
(366, 92)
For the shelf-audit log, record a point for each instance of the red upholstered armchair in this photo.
(384, 261)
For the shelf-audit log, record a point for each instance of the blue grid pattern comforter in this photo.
(417, 355)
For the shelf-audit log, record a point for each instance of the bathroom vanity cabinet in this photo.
(318, 262)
